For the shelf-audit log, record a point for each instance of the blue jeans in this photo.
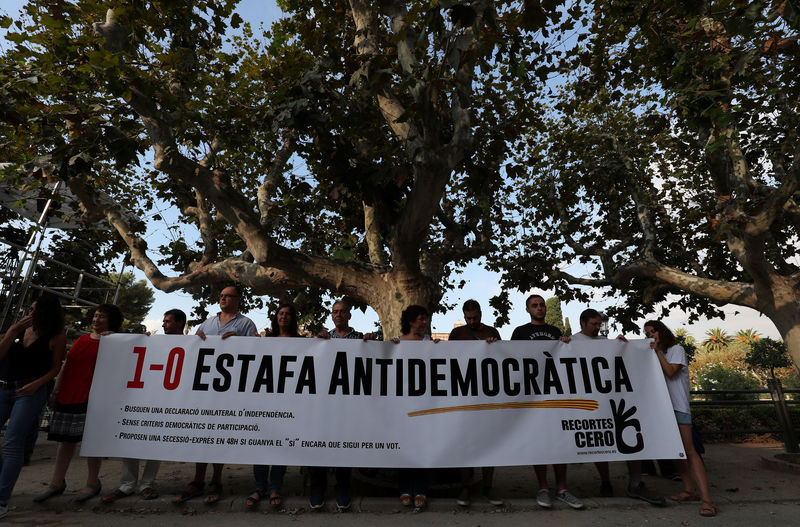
(269, 480)
(20, 413)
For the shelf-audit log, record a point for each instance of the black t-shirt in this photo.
(536, 332)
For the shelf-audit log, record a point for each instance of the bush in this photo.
(717, 422)
(766, 355)
(721, 377)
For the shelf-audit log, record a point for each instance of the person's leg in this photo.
(543, 494)
(64, 454)
(319, 482)
(276, 474)
(694, 464)
(149, 474)
(216, 475)
(606, 490)
(200, 472)
(129, 475)
(19, 413)
(634, 473)
(488, 477)
(93, 476)
(541, 476)
(561, 476)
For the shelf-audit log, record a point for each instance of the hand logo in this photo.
(622, 420)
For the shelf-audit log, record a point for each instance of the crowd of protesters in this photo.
(34, 348)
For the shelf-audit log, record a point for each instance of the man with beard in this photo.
(475, 330)
(538, 329)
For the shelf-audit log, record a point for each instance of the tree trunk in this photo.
(399, 291)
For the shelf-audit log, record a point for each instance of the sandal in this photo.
(420, 501)
(708, 509)
(214, 493)
(193, 489)
(114, 496)
(405, 499)
(685, 496)
(148, 494)
(275, 501)
(251, 502)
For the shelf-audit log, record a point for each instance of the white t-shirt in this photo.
(678, 384)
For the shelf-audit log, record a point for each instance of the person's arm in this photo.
(58, 345)
(670, 369)
(13, 332)
(323, 335)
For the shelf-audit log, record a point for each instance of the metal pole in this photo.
(18, 271)
(119, 283)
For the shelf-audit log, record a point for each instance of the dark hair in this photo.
(276, 330)
(471, 305)
(409, 315)
(178, 315)
(532, 296)
(48, 317)
(237, 287)
(112, 312)
(665, 336)
(343, 302)
(589, 313)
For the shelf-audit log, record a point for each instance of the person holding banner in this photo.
(475, 330)
(340, 314)
(538, 329)
(173, 324)
(413, 481)
(227, 323)
(71, 400)
(33, 349)
(672, 359)
(591, 320)
(269, 480)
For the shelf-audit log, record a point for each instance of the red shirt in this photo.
(78, 371)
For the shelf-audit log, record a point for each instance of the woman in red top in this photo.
(71, 399)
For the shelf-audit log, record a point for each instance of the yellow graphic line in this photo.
(577, 404)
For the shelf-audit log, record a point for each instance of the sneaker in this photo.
(488, 493)
(463, 497)
(606, 490)
(316, 501)
(3, 510)
(570, 499)
(343, 502)
(543, 499)
(640, 492)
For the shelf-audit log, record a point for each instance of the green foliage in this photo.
(717, 339)
(767, 354)
(265, 151)
(713, 421)
(553, 315)
(721, 377)
(747, 335)
(674, 135)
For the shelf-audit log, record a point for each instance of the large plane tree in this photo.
(668, 172)
(353, 148)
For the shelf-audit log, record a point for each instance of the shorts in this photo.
(683, 418)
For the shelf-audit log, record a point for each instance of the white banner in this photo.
(341, 402)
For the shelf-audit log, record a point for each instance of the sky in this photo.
(480, 285)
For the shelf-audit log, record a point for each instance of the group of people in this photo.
(34, 349)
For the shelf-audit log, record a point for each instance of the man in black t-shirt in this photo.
(538, 329)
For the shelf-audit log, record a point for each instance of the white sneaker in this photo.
(543, 499)
(570, 499)
(3, 510)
